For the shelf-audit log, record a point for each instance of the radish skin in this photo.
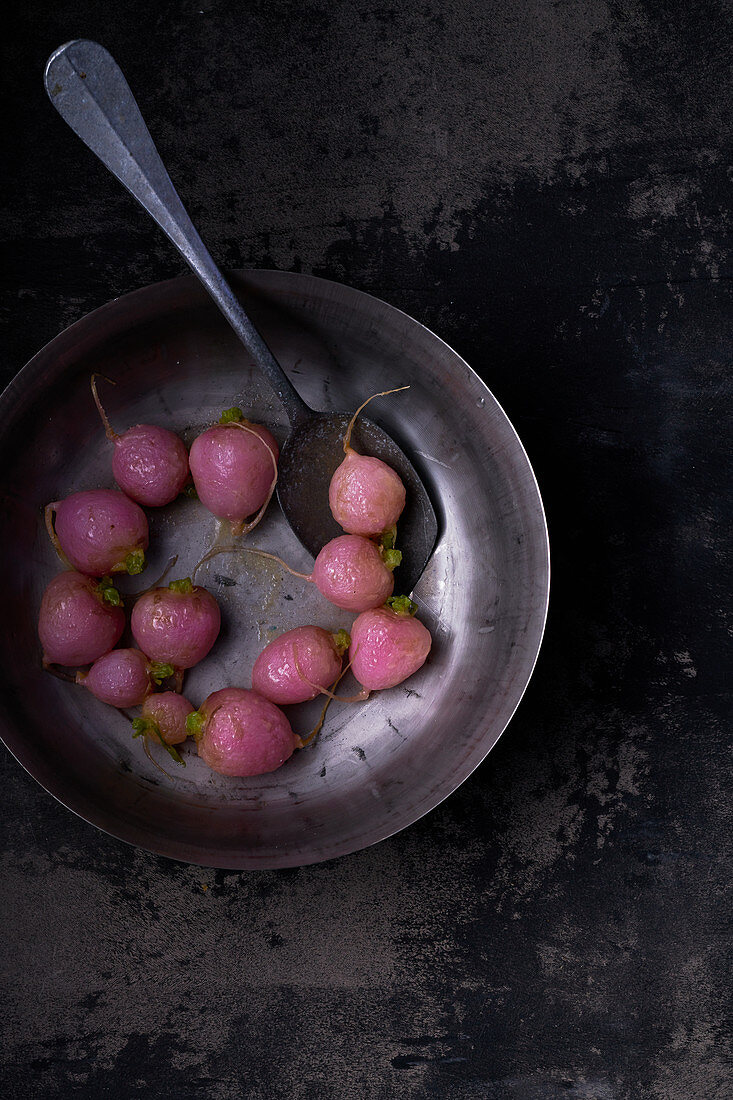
(351, 572)
(366, 496)
(240, 733)
(234, 469)
(150, 464)
(100, 531)
(300, 663)
(387, 645)
(121, 678)
(80, 619)
(168, 711)
(176, 625)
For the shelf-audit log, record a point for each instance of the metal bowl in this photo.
(376, 766)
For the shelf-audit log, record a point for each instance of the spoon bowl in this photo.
(308, 460)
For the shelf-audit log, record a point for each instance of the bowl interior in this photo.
(376, 766)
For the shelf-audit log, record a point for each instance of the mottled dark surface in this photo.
(549, 187)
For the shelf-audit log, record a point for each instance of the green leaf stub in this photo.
(109, 593)
(160, 671)
(148, 727)
(231, 416)
(141, 727)
(135, 562)
(389, 538)
(195, 724)
(402, 605)
(185, 585)
(391, 558)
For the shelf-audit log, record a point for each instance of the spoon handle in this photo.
(87, 88)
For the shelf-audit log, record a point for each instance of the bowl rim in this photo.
(263, 277)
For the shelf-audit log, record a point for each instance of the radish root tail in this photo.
(243, 528)
(319, 724)
(48, 517)
(152, 759)
(359, 698)
(108, 429)
(156, 584)
(384, 393)
(305, 741)
(216, 550)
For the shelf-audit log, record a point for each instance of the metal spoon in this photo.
(87, 88)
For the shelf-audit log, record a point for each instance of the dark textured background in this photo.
(548, 186)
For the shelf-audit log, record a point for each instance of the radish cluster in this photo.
(233, 466)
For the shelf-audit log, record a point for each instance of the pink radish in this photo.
(295, 666)
(240, 733)
(123, 678)
(353, 573)
(168, 711)
(80, 619)
(388, 645)
(176, 625)
(150, 464)
(164, 719)
(234, 468)
(366, 495)
(99, 531)
(350, 571)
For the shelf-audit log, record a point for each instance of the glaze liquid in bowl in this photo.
(377, 766)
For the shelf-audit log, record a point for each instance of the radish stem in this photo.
(384, 393)
(244, 528)
(108, 429)
(48, 517)
(246, 550)
(363, 694)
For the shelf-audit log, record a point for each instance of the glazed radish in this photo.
(176, 625)
(353, 573)
(80, 619)
(234, 468)
(98, 532)
(123, 678)
(240, 733)
(163, 719)
(150, 464)
(300, 663)
(366, 495)
(350, 571)
(165, 713)
(388, 644)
